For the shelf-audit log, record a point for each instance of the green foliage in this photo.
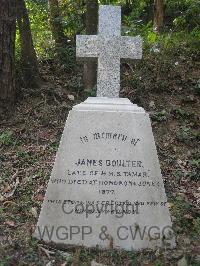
(92, 92)
(197, 225)
(67, 56)
(181, 113)
(181, 24)
(158, 263)
(181, 27)
(40, 28)
(195, 169)
(26, 157)
(195, 163)
(186, 135)
(53, 146)
(184, 13)
(6, 138)
(42, 37)
(177, 173)
(135, 80)
(179, 210)
(160, 116)
(197, 87)
(179, 15)
(72, 16)
(6, 261)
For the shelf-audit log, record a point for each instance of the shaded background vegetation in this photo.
(181, 23)
(179, 33)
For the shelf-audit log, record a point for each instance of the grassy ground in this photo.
(167, 86)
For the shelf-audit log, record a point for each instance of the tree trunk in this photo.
(55, 22)
(158, 15)
(7, 53)
(90, 67)
(28, 55)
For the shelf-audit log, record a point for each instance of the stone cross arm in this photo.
(109, 47)
(119, 47)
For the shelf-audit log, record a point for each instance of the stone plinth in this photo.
(106, 188)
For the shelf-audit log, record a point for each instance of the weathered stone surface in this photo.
(110, 20)
(106, 188)
(109, 47)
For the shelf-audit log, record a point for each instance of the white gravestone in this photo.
(106, 188)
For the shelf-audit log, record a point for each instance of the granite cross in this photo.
(109, 47)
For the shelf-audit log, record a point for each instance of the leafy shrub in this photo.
(6, 138)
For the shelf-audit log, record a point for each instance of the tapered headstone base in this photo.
(106, 188)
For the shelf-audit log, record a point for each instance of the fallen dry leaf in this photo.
(11, 193)
(39, 197)
(10, 223)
